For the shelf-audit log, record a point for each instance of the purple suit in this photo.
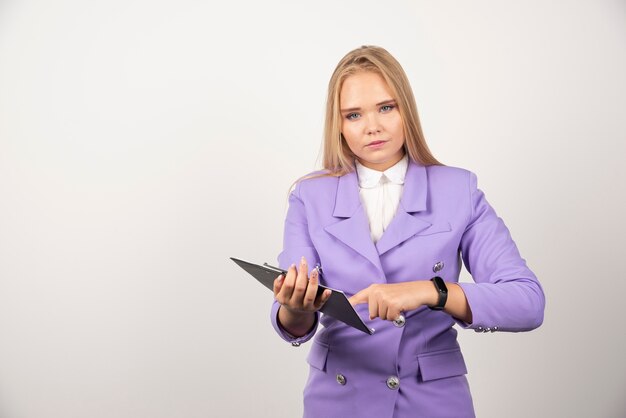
(442, 217)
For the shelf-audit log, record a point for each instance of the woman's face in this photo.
(371, 122)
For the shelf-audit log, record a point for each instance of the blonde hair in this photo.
(338, 159)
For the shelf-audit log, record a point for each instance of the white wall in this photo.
(142, 143)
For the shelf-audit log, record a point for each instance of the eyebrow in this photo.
(385, 102)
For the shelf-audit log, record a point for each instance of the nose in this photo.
(373, 124)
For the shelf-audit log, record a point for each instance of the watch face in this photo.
(440, 284)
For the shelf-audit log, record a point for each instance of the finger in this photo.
(278, 284)
(359, 297)
(382, 310)
(373, 307)
(288, 283)
(311, 290)
(323, 298)
(393, 314)
(300, 286)
(388, 310)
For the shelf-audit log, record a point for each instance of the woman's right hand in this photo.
(297, 295)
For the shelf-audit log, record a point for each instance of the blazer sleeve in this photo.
(296, 244)
(506, 295)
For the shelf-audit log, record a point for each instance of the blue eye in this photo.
(387, 108)
(352, 116)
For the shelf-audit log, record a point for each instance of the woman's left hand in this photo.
(388, 301)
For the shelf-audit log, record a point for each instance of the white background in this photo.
(142, 143)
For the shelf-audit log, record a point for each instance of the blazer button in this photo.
(341, 379)
(479, 329)
(393, 382)
(438, 267)
(399, 321)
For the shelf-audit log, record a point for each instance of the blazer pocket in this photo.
(436, 229)
(317, 356)
(440, 364)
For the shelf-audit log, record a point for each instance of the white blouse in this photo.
(380, 193)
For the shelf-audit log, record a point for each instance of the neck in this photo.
(383, 165)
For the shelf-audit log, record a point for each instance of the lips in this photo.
(375, 143)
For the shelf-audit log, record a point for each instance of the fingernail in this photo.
(302, 261)
(314, 274)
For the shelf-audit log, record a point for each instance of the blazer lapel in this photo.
(354, 229)
(404, 225)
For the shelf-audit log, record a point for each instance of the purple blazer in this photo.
(414, 369)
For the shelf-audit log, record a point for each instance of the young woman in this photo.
(389, 226)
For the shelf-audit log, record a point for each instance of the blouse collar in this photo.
(369, 178)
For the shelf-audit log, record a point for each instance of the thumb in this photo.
(323, 298)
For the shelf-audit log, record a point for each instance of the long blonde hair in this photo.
(337, 157)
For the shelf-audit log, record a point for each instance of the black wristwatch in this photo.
(442, 289)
